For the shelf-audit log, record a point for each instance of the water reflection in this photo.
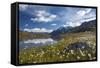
(36, 42)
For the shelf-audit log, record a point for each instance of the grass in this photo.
(60, 51)
(29, 35)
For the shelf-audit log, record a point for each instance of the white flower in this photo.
(60, 56)
(72, 51)
(81, 52)
(21, 60)
(41, 54)
(31, 55)
(63, 55)
(58, 53)
(24, 53)
(94, 57)
(67, 53)
(34, 62)
(78, 57)
(90, 56)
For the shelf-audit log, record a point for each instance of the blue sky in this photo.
(36, 18)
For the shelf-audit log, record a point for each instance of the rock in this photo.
(76, 46)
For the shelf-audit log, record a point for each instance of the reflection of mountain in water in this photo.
(36, 42)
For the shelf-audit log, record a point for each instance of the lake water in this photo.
(36, 42)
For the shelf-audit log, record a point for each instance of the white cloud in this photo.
(53, 24)
(88, 10)
(83, 15)
(78, 23)
(75, 24)
(43, 16)
(89, 19)
(72, 24)
(23, 7)
(26, 25)
(83, 12)
(38, 30)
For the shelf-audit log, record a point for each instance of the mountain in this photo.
(60, 30)
(86, 26)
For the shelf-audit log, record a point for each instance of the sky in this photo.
(39, 18)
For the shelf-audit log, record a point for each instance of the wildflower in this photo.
(63, 55)
(21, 60)
(38, 54)
(81, 52)
(52, 46)
(60, 56)
(94, 57)
(31, 55)
(58, 53)
(78, 57)
(34, 62)
(90, 56)
(24, 53)
(72, 51)
(41, 54)
(67, 53)
(67, 56)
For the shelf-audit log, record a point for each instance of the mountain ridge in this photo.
(86, 26)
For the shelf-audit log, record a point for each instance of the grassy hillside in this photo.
(67, 49)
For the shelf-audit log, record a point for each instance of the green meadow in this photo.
(64, 50)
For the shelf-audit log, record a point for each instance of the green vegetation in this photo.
(29, 35)
(61, 51)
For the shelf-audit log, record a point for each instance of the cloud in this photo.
(23, 7)
(26, 25)
(83, 12)
(89, 15)
(85, 15)
(43, 16)
(78, 23)
(82, 15)
(88, 10)
(72, 24)
(88, 19)
(38, 30)
(53, 24)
